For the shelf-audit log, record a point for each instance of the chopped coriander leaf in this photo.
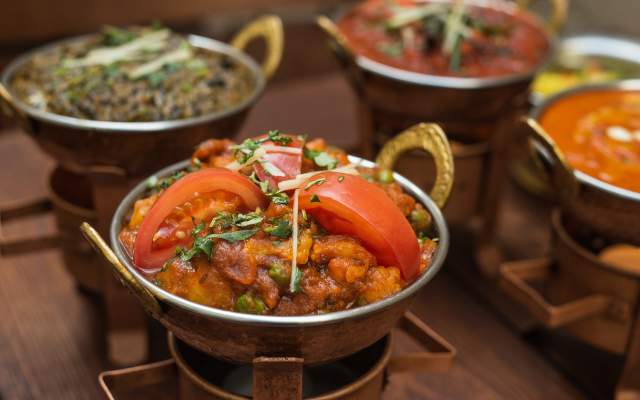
(201, 244)
(277, 137)
(280, 199)
(320, 158)
(197, 229)
(296, 277)
(314, 199)
(234, 236)
(314, 182)
(280, 228)
(225, 219)
(276, 196)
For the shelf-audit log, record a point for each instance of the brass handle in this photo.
(432, 139)
(558, 16)
(513, 280)
(561, 174)
(268, 27)
(340, 47)
(127, 279)
(438, 358)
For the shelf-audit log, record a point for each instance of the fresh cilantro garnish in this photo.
(314, 182)
(201, 244)
(320, 158)
(225, 219)
(204, 244)
(277, 137)
(296, 277)
(234, 236)
(276, 196)
(280, 228)
(314, 199)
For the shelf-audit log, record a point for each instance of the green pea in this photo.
(279, 274)
(385, 176)
(420, 219)
(250, 305)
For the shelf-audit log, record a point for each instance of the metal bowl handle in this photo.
(438, 357)
(148, 300)
(268, 27)
(514, 279)
(545, 149)
(340, 47)
(432, 139)
(558, 16)
(8, 108)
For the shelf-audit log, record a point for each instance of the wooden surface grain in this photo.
(50, 344)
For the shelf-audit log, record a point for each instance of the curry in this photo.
(278, 225)
(599, 133)
(446, 38)
(132, 74)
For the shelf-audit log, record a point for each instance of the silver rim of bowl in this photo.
(146, 126)
(285, 321)
(453, 82)
(630, 85)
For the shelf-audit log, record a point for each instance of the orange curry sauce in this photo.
(599, 133)
(521, 44)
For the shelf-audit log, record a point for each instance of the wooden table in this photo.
(49, 335)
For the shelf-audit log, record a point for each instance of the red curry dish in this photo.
(278, 225)
(599, 133)
(446, 38)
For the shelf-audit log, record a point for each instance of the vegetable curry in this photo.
(130, 75)
(599, 133)
(454, 38)
(278, 225)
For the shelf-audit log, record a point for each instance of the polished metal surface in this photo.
(278, 321)
(128, 127)
(627, 85)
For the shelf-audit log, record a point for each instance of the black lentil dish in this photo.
(278, 225)
(132, 74)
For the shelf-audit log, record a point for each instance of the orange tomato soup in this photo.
(599, 133)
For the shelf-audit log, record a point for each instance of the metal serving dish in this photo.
(577, 50)
(241, 337)
(605, 209)
(80, 143)
(462, 104)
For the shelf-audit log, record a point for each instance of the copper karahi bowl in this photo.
(78, 144)
(316, 338)
(598, 206)
(466, 104)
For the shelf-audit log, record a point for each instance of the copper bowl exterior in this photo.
(80, 143)
(598, 206)
(241, 337)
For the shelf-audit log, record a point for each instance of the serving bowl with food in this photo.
(105, 98)
(589, 140)
(442, 59)
(587, 58)
(281, 245)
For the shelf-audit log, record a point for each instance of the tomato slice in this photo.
(148, 256)
(349, 205)
(288, 163)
